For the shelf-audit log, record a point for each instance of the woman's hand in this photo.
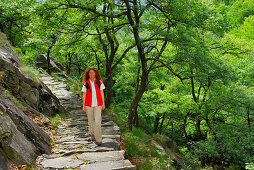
(103, 106)
(84, 108)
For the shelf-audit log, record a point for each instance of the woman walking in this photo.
(93, 101)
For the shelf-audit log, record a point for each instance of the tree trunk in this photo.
(184, 128)
(136, 99)
(54, 38)
(141, 53)
(136, 122)
(248, 116)
(137, 82)
(156, 122)
(48, 60)
(198, 129)
(162, 121)
(69, 64)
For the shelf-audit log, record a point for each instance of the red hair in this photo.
(86, 74)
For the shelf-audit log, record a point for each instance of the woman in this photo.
(93, 101)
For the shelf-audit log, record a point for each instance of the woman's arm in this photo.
(103, 102)
(84, 101)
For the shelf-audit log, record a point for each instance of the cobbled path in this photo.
(74, 148)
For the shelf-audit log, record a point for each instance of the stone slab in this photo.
(61, 162)
(122, 164)
(102, 156)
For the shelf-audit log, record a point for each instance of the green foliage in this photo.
(240, 10)
(32, 72)
(10, 95)
(228, 142)
(3, 40)
(205, 82)
(55, 121)
(249, 166)
(245, 30)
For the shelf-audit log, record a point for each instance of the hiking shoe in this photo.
(98, 143)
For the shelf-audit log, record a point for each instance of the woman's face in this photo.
(91, 74)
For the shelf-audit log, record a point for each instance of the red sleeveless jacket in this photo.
(88, 101)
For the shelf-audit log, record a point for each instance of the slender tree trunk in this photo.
(97, 60)
(136, 99)
(48, 60)
(141, 53)
(136, 122)
(248, 116)
(198, 129)
(137, 82)
(184, 128)
(69, 64)
(162, 121)
(156, 123)
(54, 38)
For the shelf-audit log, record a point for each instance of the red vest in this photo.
(88, 101)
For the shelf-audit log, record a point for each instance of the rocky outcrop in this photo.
(55, 66)
(10, 56)
(32, 93)
(21, 140)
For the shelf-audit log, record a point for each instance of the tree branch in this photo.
(169, 67)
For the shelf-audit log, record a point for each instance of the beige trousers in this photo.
(94, 122)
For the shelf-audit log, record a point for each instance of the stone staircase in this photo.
(73, 147)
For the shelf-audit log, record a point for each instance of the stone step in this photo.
(61, 162)
(110, 165)
(102, 156)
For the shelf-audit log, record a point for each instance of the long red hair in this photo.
(86, 74)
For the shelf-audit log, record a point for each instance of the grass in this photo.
(32, 72)
(55, 121)
(15, 100)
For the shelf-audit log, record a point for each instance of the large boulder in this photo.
(32, 93)
(55, 66)
(21, 140)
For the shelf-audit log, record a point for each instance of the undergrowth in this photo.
(32, 72)
(55, 121)
(139, 146)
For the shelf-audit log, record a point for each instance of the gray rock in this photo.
(61, 162)
(115, 130)
(102, 156)
(110, 143)
(32, 132)
(108, 124)
(31, 93)
(110, 165)
(14, 144)
(10, 56)
(41, 62)
(3, 161)
(116, 137)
